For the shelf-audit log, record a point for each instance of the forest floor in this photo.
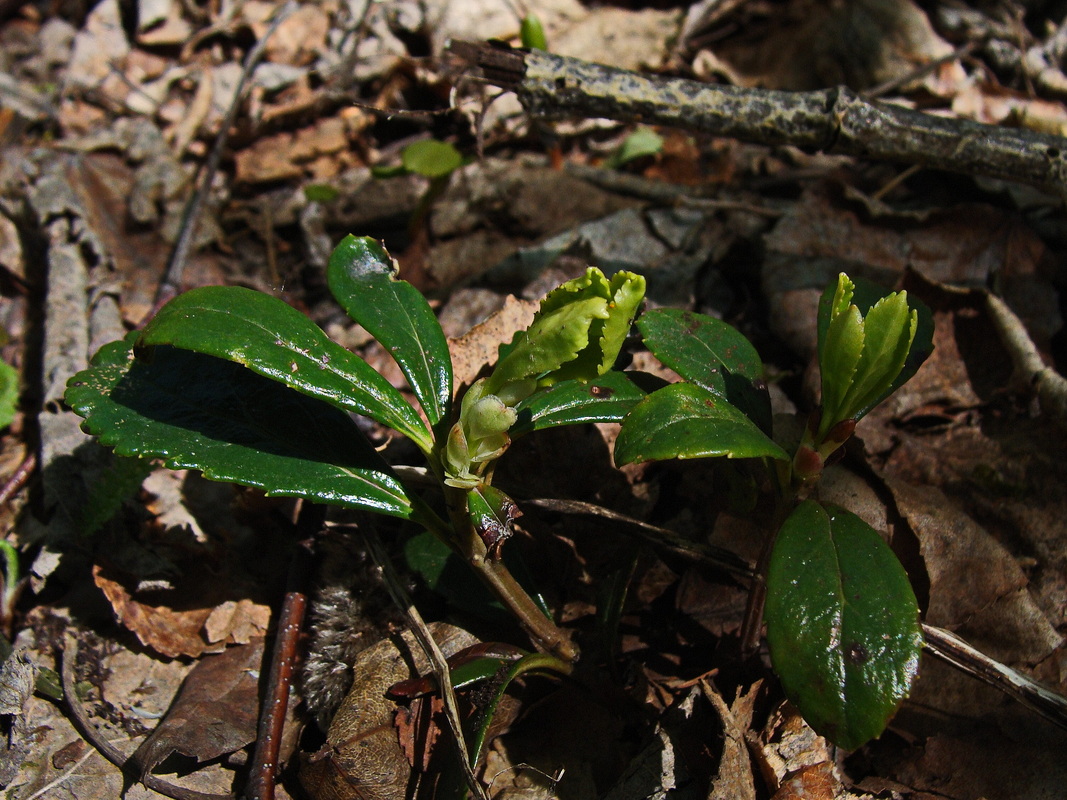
(109, 112)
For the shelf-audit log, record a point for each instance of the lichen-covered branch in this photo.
(834, 120)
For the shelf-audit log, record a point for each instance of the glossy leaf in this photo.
(363, 278)
(577, 332)
(865, 295)
(888, 330)
(199, 412)
(684, 420)
(276, 341)
(842, 623)
(606, 399)
(710, 353)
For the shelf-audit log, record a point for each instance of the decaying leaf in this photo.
(363, 758)
(215, 712)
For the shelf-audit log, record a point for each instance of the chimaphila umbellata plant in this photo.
(842, 620)
(245, 388)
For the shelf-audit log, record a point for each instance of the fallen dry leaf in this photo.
(214, 714)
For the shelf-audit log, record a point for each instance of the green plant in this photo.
(247, 389)
(842, 619)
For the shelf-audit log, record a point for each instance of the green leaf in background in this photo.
(363, 278)
(608, 398)
(642, 142)
(321, 192)
(712, 354)
(276, 341)
(198, 412)
(431, 158)
(687, 421)
(842, 623)
(532, 33)
(9, 393)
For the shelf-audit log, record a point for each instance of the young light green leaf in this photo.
(9, 393)
(687, 421)
(363, 278)
(834, 300)
(199, 412)
(842, 348)
(642, 142)
(889, 329)
(577, 332)
(553, 339)
(431, 158)
(275, 340)
(711, 354)
(842, 623)
(532, 33)
(606, 399)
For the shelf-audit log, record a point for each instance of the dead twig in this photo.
(951, 649)
(19, 478)
(81, 723)
(171, 282)
(833, 120)
(261, 781)
(437, 659)
(1030, 369)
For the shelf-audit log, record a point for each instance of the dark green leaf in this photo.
(198, 412)
(118, 484)
(275, 340)
(842, 623)
(606, 399)
(686, 421)
(712, 354)
(363, 279)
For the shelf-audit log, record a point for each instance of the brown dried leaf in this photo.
(734, 780)
(418, 727)
(479, 347)
(214, 713)
(176, 622)
(362, 758)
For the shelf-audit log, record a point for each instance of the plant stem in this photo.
(502, 583)
(785, 500)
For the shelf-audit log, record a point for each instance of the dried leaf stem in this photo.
(834, 120)
(433, 653)
(171, 282)
(1030, 369)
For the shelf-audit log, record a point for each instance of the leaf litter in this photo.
(958, 464)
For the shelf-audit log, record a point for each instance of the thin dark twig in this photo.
(261, 781)
(171, 282)
(19, 478)
(89, 732)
